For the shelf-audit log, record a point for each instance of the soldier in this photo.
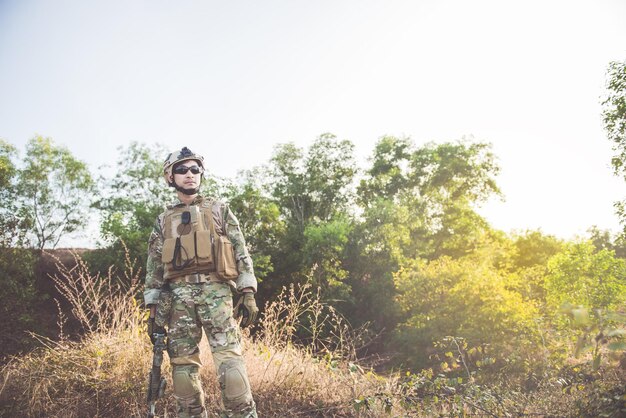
(196, 255)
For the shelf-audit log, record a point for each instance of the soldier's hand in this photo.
(153, 328)
(247, 309)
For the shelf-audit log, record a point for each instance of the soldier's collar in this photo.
(178, 204)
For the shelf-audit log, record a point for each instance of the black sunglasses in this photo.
(182, 169)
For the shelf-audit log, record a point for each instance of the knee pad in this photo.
(234, 384)
(186, 380)
(188, 390)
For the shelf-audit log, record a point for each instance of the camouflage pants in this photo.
(207, 306)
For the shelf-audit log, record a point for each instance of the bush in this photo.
(18, 299)
(467, 298)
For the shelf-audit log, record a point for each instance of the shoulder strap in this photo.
(209, 205)
(167, 223)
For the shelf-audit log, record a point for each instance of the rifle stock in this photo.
(156, 383)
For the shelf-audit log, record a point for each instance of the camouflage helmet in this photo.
(177, 156)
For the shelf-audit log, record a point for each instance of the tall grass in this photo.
(105, 372)
(301, 363)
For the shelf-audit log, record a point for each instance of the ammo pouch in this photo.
(198, 249)
(192, 250)
(225, 257)
(226, 266)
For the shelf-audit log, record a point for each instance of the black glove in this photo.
(153, 328)
(246, 308)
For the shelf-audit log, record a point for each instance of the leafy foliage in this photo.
(312, 191)
(18, 298)
(614, 119)
(14, 221)
(527, 261)
(7, 167)
(17, 292)
(468, 298)
(580, 275)
(54, 190)
(416, 202)
(259, 219)
(316, 186)
(130, 202)
(325, 246)
(614, 113)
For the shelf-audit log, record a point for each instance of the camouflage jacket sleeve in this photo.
(244, 262)
(154, 266)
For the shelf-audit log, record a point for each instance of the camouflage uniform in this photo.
(187, 308)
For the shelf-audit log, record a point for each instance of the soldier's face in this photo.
(187, 174)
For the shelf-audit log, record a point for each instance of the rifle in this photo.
(156, 383)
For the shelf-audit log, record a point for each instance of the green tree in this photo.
(417, 202)
(7, 167)
(391, 228)
(389, 173)
(313, 191)
(54, 190)
(614, 113)
(528, 264)
(614, 119)
(440, 184)
(17, 293)
(316, 186)
(325, 252)
(130, 203)
(581, 275)
(533, 248)
(452, 179)
(43, 199)
(376, 248)
(259, 219)
(14, 222)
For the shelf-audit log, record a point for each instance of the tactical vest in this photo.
(191, 243)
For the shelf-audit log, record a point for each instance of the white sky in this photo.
(242, 76)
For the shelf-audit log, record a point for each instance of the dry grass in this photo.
(105, 373)
(301, 363)
(314, 373)
(99, 376)
(102, 305)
